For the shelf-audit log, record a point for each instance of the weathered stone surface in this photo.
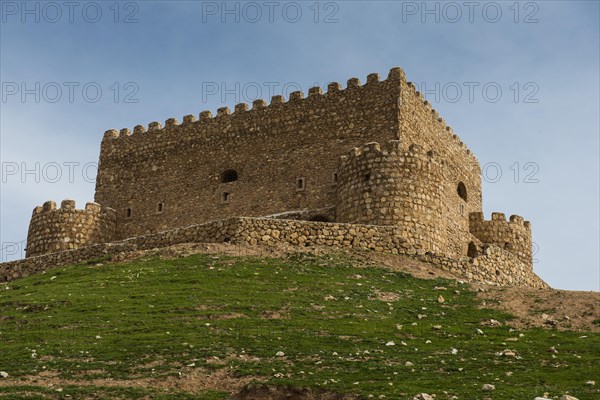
(269, 231)
(374, 163)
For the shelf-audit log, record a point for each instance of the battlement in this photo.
(69, 205)
(513, 235)
(55, 229)
(315, 94)
(390, 148)
(498, 217)
(437, 121)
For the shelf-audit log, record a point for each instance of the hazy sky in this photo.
(519, 83)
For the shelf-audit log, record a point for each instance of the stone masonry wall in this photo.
(394, 187)
(513, 236)
(261, 231)
(285, 155)
(65, 228)
(421, 124)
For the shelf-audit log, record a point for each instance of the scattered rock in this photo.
(422, 396)
(552, 350)
(3, 374)
(567, 397)
(488, 388)
(280, 354)
(441, 299)
(390, 343)
(508, 353)
(591, 383)
(409, 364)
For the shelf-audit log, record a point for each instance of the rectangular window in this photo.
(160, 208)
(128, 212)
(334, 178)
(300, 184)
(225, 197)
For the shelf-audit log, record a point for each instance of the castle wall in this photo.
(285, 155)
(390, 186)
(65, 228)
(421, 124)
(493, 266)
(514, 235)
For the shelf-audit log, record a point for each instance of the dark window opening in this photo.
(128, 213)
(472, 250)
(160, 207)
(225, 197)
(300, 184)
(507, 246)
(367, 177)
(497, 272)
(229, 175)
(334, 177)
(462, 191)
(462, 209)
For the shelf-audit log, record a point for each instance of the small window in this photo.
(229, 175)
(160, 207)
(128, 212)
(367, 177)
(472, 250)
(334, 178)
(462, 210)
(462, 191)
(225, 197)
(300, 184)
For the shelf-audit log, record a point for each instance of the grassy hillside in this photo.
(203, 326)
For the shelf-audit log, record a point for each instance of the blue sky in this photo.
(519, 83)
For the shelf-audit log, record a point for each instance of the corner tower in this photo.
(57, 229)
(390, 186)
(513, 235)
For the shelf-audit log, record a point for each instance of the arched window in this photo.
(462, 191)
(229, 175)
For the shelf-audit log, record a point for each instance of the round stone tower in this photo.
(513, 235)
(57, 229)
(393, 187)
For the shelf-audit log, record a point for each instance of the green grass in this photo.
(152, 318)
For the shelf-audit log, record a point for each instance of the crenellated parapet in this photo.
(242, 110)
(513, 235)
(385, 185)
(436, 122)
(55, 229)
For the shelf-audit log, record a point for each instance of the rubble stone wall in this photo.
(267, 231)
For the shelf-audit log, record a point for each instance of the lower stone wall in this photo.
(492, 265)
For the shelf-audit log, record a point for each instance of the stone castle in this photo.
(369, 166)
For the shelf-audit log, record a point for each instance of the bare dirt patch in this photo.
(548, 308)
(287, 393)
(191, 380)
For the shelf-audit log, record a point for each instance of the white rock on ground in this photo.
(422, 396)
(488, 388)
(567, 397)
(3, 374)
